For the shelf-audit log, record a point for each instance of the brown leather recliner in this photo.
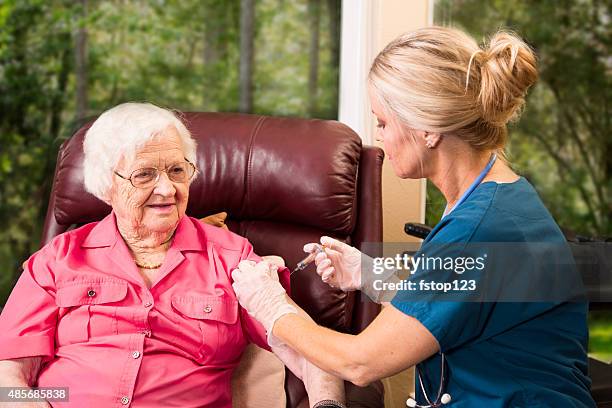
(283, 182)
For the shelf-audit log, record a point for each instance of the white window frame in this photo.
(356, 54)
(359, 37)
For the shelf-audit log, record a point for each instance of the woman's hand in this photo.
(22, 373)
(260, 293)
(19, 372)
(339, 265)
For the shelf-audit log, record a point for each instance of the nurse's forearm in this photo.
(337, 353)
(393, 342)
(19, 372)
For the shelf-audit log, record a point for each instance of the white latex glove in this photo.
(339, 265)
(260, 293)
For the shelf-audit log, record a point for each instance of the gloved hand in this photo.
(260, 293)
(339, 265)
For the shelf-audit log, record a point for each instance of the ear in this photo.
(432, 139)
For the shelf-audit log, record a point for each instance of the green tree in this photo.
(562, 144)
(35, 63)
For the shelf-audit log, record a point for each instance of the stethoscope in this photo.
(443, 398)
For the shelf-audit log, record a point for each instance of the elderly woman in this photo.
(137, 309)
(442, 103)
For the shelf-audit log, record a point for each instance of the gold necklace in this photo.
(147, 266)
(166, 244)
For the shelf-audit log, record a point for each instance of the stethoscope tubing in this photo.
(437, 403)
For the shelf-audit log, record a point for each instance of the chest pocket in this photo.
(87, 309)
(208, 327)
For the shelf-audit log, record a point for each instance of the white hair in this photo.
(120, 132)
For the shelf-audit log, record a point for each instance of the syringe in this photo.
(308, 260)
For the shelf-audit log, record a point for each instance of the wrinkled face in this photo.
(156, 209)
(405, 148)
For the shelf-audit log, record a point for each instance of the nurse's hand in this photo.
(260, 293)
(339, 265)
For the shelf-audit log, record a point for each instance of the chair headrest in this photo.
(253, 167)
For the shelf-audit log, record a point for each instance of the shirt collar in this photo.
(187, 237)
(104, 234)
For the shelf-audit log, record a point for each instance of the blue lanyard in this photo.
(473, 186)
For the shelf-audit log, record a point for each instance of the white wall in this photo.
(367, 26)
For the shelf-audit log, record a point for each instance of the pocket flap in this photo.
(195, 306)
(70, 294)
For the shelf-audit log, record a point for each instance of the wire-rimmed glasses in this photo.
(149, 176)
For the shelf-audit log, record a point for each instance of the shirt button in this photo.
(125, 400)
(208, 309)
(91, 293)
(148, 304)
(136, 354)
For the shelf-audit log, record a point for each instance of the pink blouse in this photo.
(82, 305)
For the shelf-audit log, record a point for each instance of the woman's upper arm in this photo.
(393, 342)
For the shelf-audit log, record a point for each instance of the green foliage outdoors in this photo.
(600, 332)
(183, 55)
(562, 144)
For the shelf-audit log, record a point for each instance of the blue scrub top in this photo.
(503, 354)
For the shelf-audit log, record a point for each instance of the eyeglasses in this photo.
(149, 176)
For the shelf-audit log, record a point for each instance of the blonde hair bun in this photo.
(438, 79)
(507, 71)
